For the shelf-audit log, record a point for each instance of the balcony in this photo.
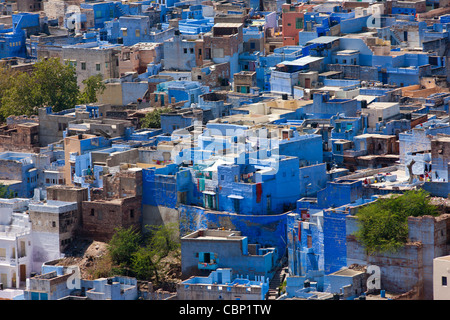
(208, 266)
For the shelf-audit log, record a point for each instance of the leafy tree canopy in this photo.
(51, 83)
(92, 86)
(5, 192)
(140, 255)
(384, 223)
(153, 118)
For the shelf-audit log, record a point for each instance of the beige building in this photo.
(90, 60)
(262, 112)
(380, 111)
(441, 277)
(72, 147)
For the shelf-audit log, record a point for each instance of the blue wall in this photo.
(354, 25)
(266, 230)
(158, 188)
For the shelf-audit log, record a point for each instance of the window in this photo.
(83, 65)
(199, 77)
(236, 205)
(252, 45)
(92, 212)
(137, 33)
(444, 281)
(62, 126)
(191, 50)
(298, 23)
(53, 224)
(97, 66)
(124, 32)
(185, 50)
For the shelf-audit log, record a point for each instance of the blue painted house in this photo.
(19, 173)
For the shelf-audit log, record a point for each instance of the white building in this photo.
(15, 244)
(53, 225)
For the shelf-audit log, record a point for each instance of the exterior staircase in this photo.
(276, 282)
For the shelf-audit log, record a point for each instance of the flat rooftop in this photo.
(214, 234)
(444, 258)
(347, 272)
(382, 105)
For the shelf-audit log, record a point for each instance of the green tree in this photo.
(384, 223)
(153, 118)
(51, 83)
(7, 76)
(144, 265)
(56, 84)
(123, 244)
(5, 192)
(160, 242)
(19, 98)
(163, 239)
(135, 254)
(92, 87)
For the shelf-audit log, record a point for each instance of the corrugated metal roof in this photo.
(227, 25)
(324, 39)
(303, 61)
